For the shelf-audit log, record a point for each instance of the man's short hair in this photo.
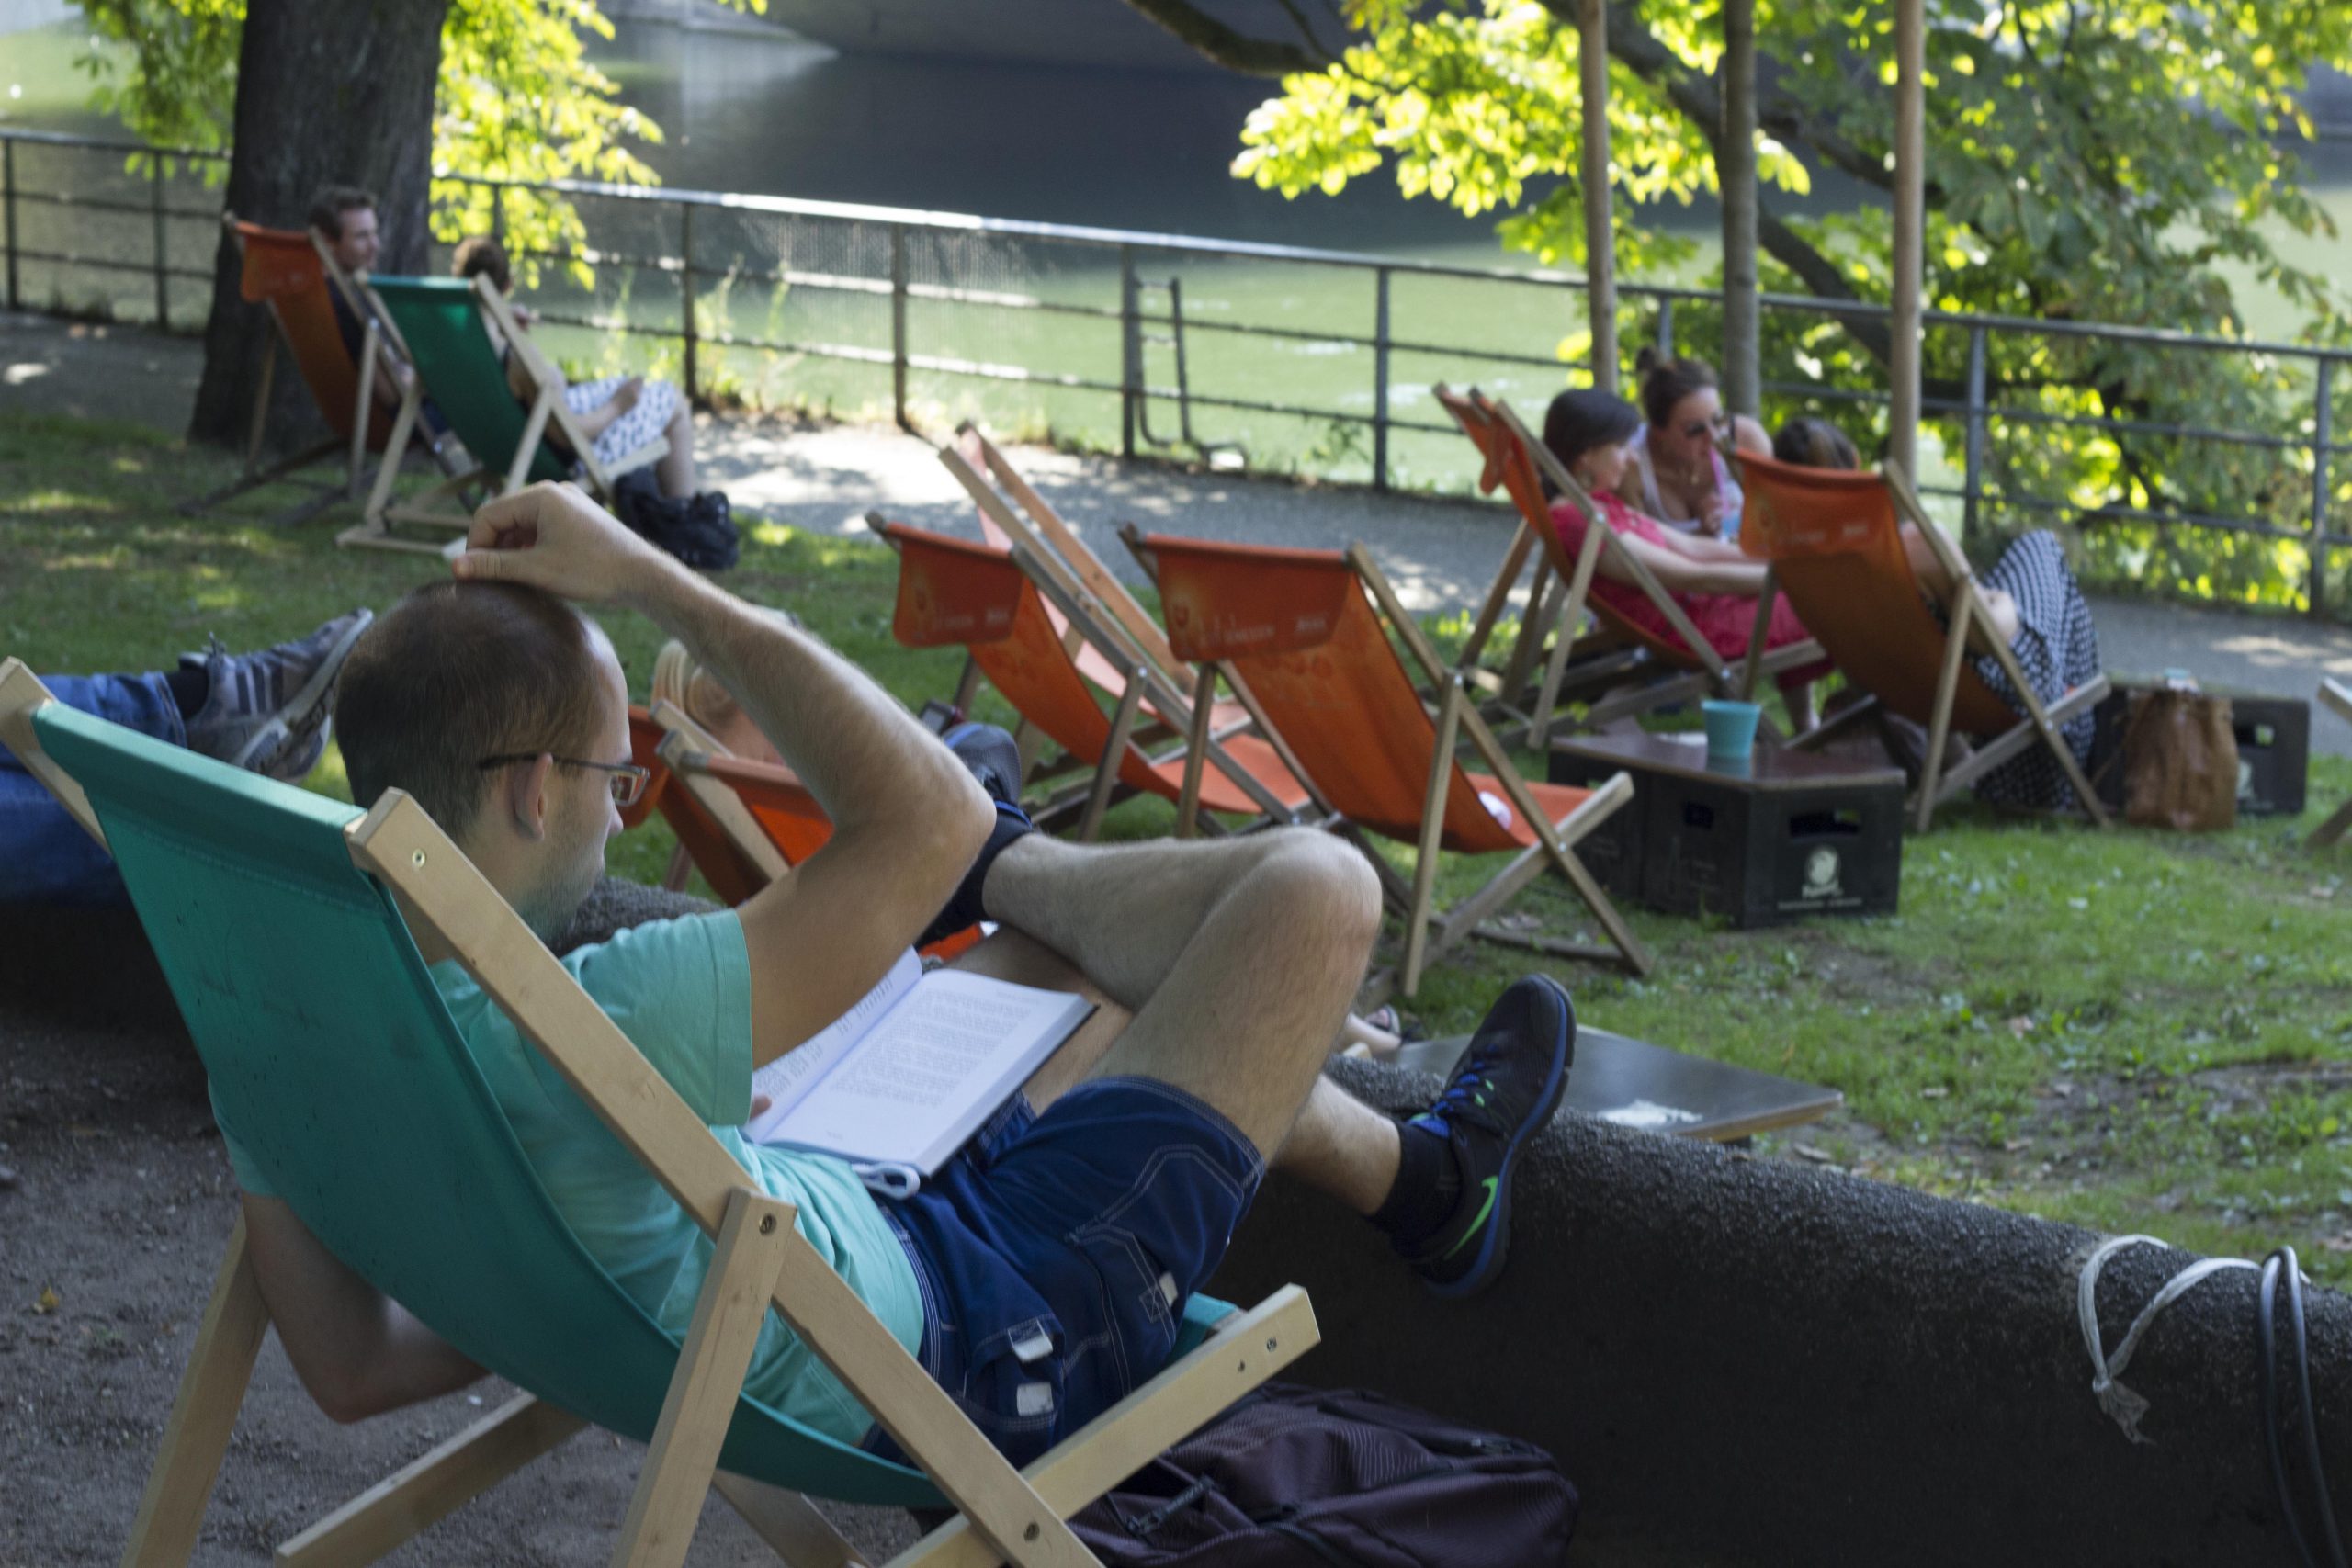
(484, 256)
(457, 673)
(328, 207)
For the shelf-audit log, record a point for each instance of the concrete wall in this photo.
(1744, 1361)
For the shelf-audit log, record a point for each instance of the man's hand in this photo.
(552, 536)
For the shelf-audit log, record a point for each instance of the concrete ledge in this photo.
(1740, 1361)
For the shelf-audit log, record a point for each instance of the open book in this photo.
(907, 1075)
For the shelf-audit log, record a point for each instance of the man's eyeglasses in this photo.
(627, 780)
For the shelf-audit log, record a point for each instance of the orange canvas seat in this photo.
(1299, 635)
(1836, 545)
(1521, 467)
(283, 271)
(953, 592)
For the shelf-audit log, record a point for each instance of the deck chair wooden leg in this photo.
(1114, 752)
(261, 404)
(1758, 635)
(683, 1455)
(1433, 798)
(1542, 608)
(1498, 596)
(790, 1522)
(533, 430)
(1947, 692)
(2327, 832)
(395, 1509)
(373, 523)
(2045, 723)
(1244, 1350)
(1197, 751)
(967, 685)
(1556, 668)
(203, 1413)
(1837, 724)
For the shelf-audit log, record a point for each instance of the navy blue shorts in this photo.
(1055, 1253)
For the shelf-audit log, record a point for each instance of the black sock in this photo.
(189, 688)
(964, 909)
(1427, 1188)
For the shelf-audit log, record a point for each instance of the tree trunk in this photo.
(329, 92)
(1600, 234)
(1735, 176)
(1910, 233)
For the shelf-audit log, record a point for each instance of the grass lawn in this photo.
(2128, 1030)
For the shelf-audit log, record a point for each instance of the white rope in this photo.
(2126, 1407)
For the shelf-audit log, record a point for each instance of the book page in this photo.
(791, 1075)
(938, 1065)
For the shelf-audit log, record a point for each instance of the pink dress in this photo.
(1723, 619)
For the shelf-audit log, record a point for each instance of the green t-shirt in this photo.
(682, 991)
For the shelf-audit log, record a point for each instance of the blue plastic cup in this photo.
(1731, 729)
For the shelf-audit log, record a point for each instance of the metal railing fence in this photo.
(837, 291)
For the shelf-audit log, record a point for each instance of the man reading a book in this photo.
(1039, 1274)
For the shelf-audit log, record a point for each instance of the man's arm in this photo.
(907, 818)
(357, 1352)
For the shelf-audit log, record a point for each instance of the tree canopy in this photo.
(2117, 161)
(517, 99)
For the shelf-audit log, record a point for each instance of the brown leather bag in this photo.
(2180, 762)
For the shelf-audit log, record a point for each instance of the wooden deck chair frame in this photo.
(1594, 661)
(1003, 1514)
(2336, 696)
(1456, 717)
(2039, 725)
(548, 412)
(352, 451)
(1118, 630)
(1712, 675)
(1082, 805)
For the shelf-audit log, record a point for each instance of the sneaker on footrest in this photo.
(269, 712)
(1504, 1089)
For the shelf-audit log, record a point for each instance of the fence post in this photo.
(498, 213)
(686, 290)
(8, 198)
(1972, 485)
(2322, 428)
(1666, 329)
(1130, 353)
(898, 325)
(1380, 380)
(163, 288)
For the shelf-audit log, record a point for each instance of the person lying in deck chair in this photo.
(268, 711)
(1038, 1276)
(1715, 583)
(2036, 605)
(618, 413)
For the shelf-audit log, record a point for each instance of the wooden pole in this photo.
(1910, 220)
(1600, 240)
(1736, 177)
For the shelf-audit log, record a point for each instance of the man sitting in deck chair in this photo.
(344, 217)
(1038, 1275)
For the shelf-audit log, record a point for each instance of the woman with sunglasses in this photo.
(1713, 581)
(1679, 475)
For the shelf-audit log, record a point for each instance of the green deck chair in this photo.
(443, 325)
(428, 1196)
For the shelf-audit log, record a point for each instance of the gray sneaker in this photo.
(270, 711)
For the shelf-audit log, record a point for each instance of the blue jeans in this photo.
(45, 858)
(1056, 1251)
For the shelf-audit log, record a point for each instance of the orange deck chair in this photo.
(956, 593)
(1304, 631)
(1074, 573)
(1523, 466)
(282, 270)
(1835, 541)
(2337, 697)
(741, 822)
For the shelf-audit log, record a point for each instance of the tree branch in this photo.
(1204, 35)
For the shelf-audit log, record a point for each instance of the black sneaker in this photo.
(269, 712)
(1506, 1086)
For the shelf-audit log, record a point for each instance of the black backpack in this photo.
(698, 529)
(1296, 1477)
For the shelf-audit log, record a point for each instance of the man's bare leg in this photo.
(1237, 958)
